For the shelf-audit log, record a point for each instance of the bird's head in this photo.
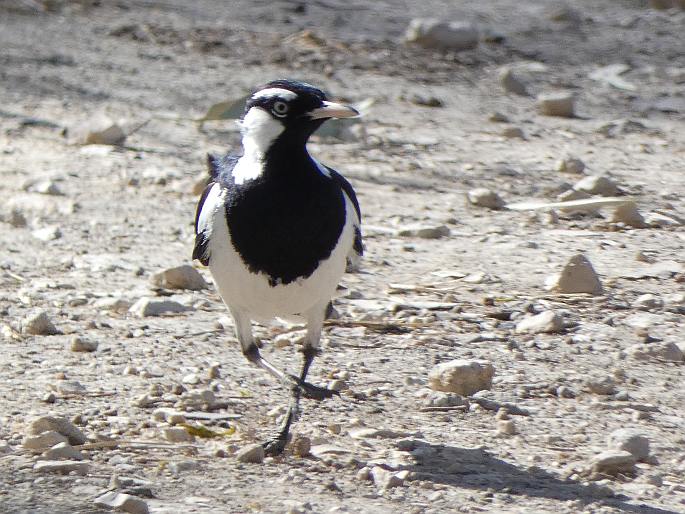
(289, 111)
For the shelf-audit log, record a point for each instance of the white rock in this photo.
(578, 276)
(148, 307)
(556, 104)
(440, 399)
(385, 479)
(63, 451)
(112, 304)
(100, 130)
(630, 440)
(78, 344)
(47, 233)
(667, 351)
(571, 165)
(648, 302)
(180, 277)
(43, 441)
(461, 376)
(629, 215)
(484, 197)
(511, 82)
(614, 462)
(597, 185)
(178, 435)
(45, 187)
(71, 387)
(506, 427)
(182, 466)
(62, 467)
(38, 324)
(547, 322)
(60, 425)
(122, 502)
(433, 33)
(425, 232)
(252, 454)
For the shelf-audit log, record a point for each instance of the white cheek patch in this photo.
(275, 91)
(259, 129)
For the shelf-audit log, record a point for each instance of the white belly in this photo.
(251, 292)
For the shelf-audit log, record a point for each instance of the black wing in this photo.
(358, 245)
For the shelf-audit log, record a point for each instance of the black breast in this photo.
(285, 226)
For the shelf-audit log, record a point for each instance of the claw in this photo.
(275, 446)
(317, 393)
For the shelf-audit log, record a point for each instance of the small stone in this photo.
(614, 462)
(178, 435)
(547, 322)
(571, 194)
(440, 399)
(16, 218)
(46, 187)
(78, 344)
(43, 441)
(385, 479)
(49, 398)
(667, 351)
(433, 33)
(100, 130)
(112, 304)
(425, 232)
(556, 104)
(214, 372)
(38, 324)
(191, 378)
(630, 440)
(512, 83)
(578, 276)
(629, 215)
(176, 419)
(122, 502)
(498, 117)
(425, 100)
(62, 467)
(180, 277)
(182, 466)
(63, 451)
(648, 302)
(302, 446)
(506, 427)
(513, 133)
(484, 197)
(47, 234)
(463, 377)
(148, 307)
(597, 185)
(571, 165)
(253, 454)
(71, 387)
(601, 385)
(60, 425)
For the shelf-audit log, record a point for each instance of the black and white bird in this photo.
(277, 228)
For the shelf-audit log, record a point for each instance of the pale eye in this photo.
(280, 108)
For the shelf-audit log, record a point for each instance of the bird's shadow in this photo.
(475, 468)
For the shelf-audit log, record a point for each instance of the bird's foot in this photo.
(275, 446)
(315, 392)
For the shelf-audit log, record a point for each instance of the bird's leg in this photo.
(310, 350)
(276, 444)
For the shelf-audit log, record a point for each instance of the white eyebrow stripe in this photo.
(286, 94)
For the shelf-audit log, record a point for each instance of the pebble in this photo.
(512, 83)
(99, 130)
(433, 33)
(181, 466)
(631, 440)
(38, 324)
(556, 104)
(484, 197)
(63, 451)
(597, 185)
(376, 433)
(385, 479)
(78, 344)
(71, 387)
(578, 276)
(667, 351)
(45, 187)
(613, 462)
(47, 233)
(179, 277)
(62, 467)
(122, 502)
(571, 165)
(629, 215)
(178, 435)
(148, 307)
(120, 305)
(425, 232)
(513, 133)
(301, 446)
(506, 427)
(60, 425)
(253, 454)
(622, 127)
(440, 399)
(498, 117)
(43, 441)
(601, 385)
(425, 100)
(648, 302)
(547, 322)
(461, 376)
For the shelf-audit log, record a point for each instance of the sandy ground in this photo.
(84, 228)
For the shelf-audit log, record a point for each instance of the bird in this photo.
(278, 229)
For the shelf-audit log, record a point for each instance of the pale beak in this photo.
(333, 110)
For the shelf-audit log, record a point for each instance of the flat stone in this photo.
(604, 385)
(47, 233)
(78, 344)
(513, 133)
(578, 276)
(556, 104)
(433, 33)
(38, 324)
(99, 130)
(63, 451)
(385, 479)
(179, 277)
(597, 185)
(120, 305)
(614, 462)
(178, 435)
(648, 302)
(631, 440)
(511, 82)
(60, 425)
(122, 502)
(547, 322)
(628, 215)
(148, 307)
(667, 351)
(253, 454)
(483, 197)
(376, 433)
(425, 232)
(461, 376)
(43, 441)
(62, 467)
